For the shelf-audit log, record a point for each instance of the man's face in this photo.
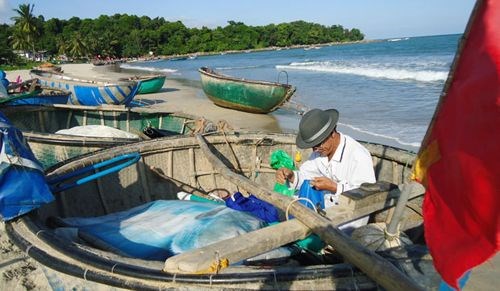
(325, 147)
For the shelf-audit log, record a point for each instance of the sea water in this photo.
(386, 90)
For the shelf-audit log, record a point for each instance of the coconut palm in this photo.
(61, 45)
(18, 40)
(77, 46)
(25, 26)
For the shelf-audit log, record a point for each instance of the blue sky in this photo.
(375, 18)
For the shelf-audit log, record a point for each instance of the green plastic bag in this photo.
(312, 243)
(280, 159)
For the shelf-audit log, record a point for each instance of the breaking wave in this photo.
(414, 145)
(372, 72)
(149, 69)
(236, 68)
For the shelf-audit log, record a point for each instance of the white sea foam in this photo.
(149, 69)
(398, 39)
(235, 68)
(372, 72)
(383, 136)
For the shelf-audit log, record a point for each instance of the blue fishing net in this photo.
(163, 228)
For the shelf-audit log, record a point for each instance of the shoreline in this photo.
(186, 96)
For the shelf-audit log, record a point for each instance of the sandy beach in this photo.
(175, 97)
(188, 97)
(19, 272)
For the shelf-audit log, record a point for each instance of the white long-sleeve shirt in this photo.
(350, 166)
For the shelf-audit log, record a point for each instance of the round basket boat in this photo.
(167, 166)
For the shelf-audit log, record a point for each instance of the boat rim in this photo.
(209, 72)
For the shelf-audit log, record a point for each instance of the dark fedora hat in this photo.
(315, 126)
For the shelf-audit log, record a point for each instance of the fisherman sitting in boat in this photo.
(338, 162)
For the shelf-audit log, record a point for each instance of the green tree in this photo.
(129, 35)
(62, 48)
(78, 48)
(26, 28)
(6, 53)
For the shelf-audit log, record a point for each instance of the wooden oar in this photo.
(376, 267)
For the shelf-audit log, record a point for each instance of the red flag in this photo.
(459, 161)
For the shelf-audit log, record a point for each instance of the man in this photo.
(338, 162)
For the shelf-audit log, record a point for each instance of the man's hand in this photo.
(323, 183)
(284, 174)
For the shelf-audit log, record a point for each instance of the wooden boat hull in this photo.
(44, 97)
(89, 92)
(183, 162)
(39, 124)
(49, 67)
(244, 95)
(150, 84)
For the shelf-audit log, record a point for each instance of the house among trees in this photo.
(39, 56)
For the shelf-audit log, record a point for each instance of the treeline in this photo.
(123, 35)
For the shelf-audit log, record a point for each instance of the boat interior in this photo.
(157, 170)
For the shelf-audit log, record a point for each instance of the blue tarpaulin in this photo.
(22, 182)
(163, 228)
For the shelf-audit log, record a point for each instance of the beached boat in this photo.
(30, 86)
(149, 83)
(244, 95)
(170, 165)
(40, 124)
(41, 96)
(89, 92)
(49, 67)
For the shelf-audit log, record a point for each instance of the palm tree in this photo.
(61, 45)
(78, 47)
(25, 25)
(18, 40)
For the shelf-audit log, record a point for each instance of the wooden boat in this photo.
(89, 92)
(41, 96)
(31, 86)
(169, 165)
(49, 67)
(149, 84)
(244, 95)
(40, 124)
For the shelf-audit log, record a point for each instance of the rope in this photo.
(354, 279)
(216, 266)
(391, 236)
(217, 262)
(277, 287)
(295, 200)
(28, 249)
